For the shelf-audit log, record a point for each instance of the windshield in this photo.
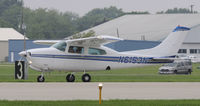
(60, 46)
(170, 64)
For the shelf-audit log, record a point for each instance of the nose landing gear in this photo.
(40, 78)
(70, 78)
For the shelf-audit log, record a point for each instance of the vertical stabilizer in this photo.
(169, 46)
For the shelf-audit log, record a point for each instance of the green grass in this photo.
(139, 74)
(104, 103)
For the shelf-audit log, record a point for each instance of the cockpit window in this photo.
(95, 51)
(76, 49)
(60, 46)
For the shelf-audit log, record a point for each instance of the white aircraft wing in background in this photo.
(46, 42)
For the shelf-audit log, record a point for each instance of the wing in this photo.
(46, 42)
(94, 41)
(90, 41)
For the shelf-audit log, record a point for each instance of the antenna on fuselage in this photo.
(117, 33)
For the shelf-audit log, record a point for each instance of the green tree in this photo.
(137, 12)
(176, 10)
(90, 33)
(7, 4)
(12, 16)
(98, 16)
(49, 24)
(4, 23)
(9, 13)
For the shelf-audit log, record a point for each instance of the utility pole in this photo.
(143, 37)
(191, 6)
(22, 25)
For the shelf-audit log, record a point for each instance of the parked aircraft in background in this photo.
(193, 59)
(89, 54)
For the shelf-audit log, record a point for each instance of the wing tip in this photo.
(181, 28)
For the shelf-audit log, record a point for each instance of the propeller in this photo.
(23, 53)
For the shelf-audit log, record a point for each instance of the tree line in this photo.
(51, 24)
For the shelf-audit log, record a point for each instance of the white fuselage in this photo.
(46, 59)
(89, 54)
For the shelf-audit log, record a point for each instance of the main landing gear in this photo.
(85, 78)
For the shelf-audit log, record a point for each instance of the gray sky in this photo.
(83, 6)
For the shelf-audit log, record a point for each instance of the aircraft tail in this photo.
(168, 47)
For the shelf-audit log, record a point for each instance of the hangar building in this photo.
(154, 28)
(139, 32)
(16, 46)
(5, 35)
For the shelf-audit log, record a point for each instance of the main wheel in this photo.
(175, 72)
(189, 72)
(40, 78)
(86, 78)
(70, 78)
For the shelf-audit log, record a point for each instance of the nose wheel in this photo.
(40, 78)
(86, 78)
(70, 78)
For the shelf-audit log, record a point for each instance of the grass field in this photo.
(139, 74)
(104, 103)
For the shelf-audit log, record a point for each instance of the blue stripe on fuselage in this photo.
(98, 58)
(120, 59)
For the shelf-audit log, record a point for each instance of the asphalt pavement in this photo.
(90, 91)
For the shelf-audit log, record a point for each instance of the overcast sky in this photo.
(83, 6)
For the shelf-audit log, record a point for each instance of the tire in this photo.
(40, 78)
(86, 78)
(189, 72)
(70, 78)
(175, 71)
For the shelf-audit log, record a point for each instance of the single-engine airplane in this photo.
(90, 54)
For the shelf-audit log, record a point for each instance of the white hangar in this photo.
(154, 28)
(5, 35)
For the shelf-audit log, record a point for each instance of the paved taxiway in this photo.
(89, 91)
